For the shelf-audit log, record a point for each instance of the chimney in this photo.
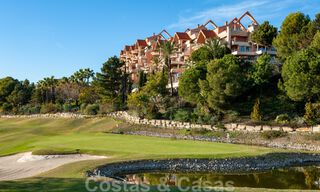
(154, 34)
(226, 22)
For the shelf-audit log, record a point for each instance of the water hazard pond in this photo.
(287, 178)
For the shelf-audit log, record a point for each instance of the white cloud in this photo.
(261, 10)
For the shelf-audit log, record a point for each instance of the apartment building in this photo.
(145, 55)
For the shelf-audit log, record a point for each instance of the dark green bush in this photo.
(92, 109)
(182, 115)
(6, 108)
(67, 107)
(55, 152)
(50, 108)
(283, 118)
(273, 134)
(29, 109)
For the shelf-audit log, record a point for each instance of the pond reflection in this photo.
(289, 178)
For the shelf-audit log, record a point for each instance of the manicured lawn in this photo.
(89, 135)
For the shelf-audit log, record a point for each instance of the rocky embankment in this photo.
(286, 144)
(230, 165)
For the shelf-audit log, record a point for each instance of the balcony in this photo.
(240, 43)
(243, 53)
(270, 52)
(177, 62)
(239, 33)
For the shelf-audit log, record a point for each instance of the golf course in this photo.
(92, 136)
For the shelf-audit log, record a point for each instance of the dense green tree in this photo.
(264, 34)
(189, 88)
(88, 95)
(108, 81)
(225, 80)
(21, 94)
(201, 54)
(301, 77)
(7, 85)
(189, 81)
(315, 44)
(291, 35)
(151, 98)
(262, 70)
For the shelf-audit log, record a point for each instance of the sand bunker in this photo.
(25, 165)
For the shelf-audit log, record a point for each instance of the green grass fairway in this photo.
(89, 135)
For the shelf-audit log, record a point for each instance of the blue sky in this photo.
(40, 38)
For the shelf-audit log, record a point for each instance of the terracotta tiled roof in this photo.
(127, 48)
(141, 43)
(132, 47)
(208, 33)
(183, 36)
(153, 37)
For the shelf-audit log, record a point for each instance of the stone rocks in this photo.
(124, 115)
(287, 129)
(229, 165)
(266, 128)
(186, 125)
(316, 128)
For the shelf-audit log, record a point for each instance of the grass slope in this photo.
(89, 135)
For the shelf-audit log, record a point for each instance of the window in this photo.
(242, 48)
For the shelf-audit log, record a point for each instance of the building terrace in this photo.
(145, 55)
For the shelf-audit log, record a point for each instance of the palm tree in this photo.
(51, 83)
(216, 48)
(167, 48)
(41, 85)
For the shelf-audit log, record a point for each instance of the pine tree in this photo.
(256, 112)
(310, 114)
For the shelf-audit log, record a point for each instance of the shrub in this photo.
(6, 108)
(256, 112)
(55, 152)
(231, 116)
(106, 108)
(50, 108)
(273, 134)
(182, 115)
(67, 107)
(92, 109)
(283, 118)
(83, 107)
(299, 121)
(29, 109)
